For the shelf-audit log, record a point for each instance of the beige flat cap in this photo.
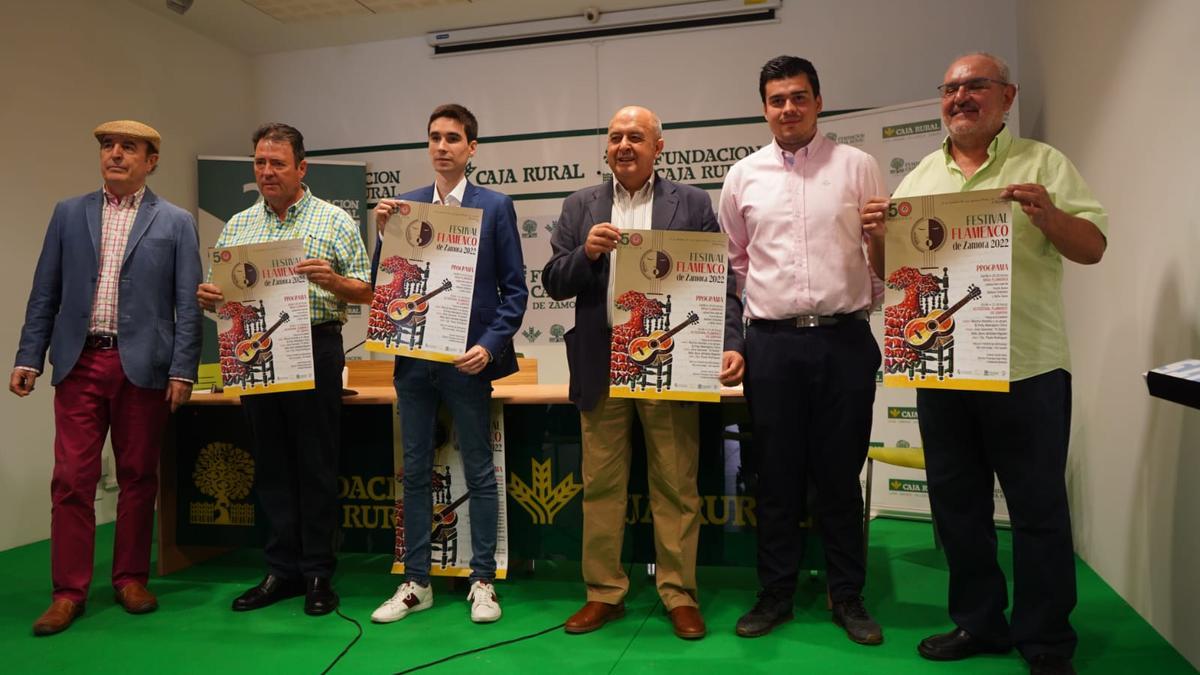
(132, 129)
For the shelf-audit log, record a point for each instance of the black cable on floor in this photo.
(635, 636)
(480, 649)
(494, 645)
(352, 642)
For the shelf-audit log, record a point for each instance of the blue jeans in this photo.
(420, 387)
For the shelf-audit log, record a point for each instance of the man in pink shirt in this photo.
(803, 262)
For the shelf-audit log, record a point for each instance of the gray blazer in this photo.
(569, 274)
(158, 318)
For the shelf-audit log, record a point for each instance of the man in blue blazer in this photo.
(497, 308)
(588, 231)
(112, 301)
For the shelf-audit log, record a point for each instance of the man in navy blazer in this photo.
(497, 308)
(587, 232)
(112, 301)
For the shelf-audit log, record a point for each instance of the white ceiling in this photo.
(241, 25)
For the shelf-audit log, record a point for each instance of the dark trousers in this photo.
(1020, 437)
(810, 393)
(297, 437)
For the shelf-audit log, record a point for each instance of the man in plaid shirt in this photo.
(297, 433)
(111, 300)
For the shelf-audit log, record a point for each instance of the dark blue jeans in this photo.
(420, 387)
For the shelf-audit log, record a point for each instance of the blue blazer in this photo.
(569, 274)
(158, 318)
(498, 303)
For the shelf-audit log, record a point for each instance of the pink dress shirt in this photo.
(796, 242)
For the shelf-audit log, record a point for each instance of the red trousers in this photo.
(95, 397)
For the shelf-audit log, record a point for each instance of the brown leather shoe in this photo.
(58, 618)
(688, 623)
(594, 615)
(136, 598)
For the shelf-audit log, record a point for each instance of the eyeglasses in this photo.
(973, 85)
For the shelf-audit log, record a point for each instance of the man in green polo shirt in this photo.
(297, 434)
(1021, 436)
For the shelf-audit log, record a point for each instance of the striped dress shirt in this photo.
(116, 216)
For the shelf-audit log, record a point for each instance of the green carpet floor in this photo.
(194, 631)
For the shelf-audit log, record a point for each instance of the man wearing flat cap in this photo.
(112, 301)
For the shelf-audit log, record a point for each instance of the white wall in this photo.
(868, 53)
(67, 66)
(1113, 84)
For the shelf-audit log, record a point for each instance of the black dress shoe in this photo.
(319, 597)
(852, 616)
(771, 610)
(269, 591)
(1050, 664)
(955, 645)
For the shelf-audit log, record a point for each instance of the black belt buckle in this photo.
(815, 320)
(101, 341)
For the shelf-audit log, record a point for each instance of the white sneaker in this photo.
(409, 597)
(485, 607)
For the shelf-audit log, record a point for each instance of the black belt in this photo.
(100, 342)
(334, 327)
(812, 320)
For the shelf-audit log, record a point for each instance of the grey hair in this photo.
(1001, 64)
(655, 122)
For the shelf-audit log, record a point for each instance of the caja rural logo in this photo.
(540, 498)
(908, 486)
(911, 129)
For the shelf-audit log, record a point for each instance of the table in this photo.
(204, 512)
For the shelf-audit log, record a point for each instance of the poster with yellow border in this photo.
(426, 279)
(947, 293)
(264, 341)
(668, 315)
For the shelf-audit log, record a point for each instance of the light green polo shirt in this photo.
(1038, 329)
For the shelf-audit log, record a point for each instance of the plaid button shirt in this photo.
(116, 216)
(329, 233)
